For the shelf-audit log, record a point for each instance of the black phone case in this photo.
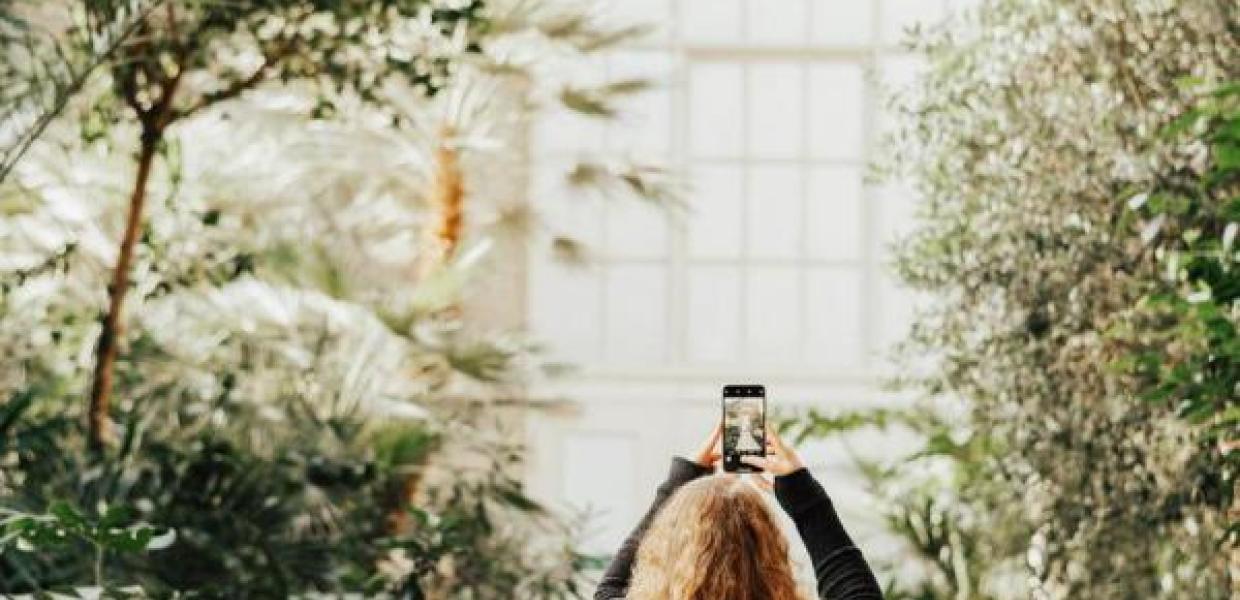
(731, 460)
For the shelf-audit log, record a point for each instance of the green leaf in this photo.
(1182, 123)
(69, 517)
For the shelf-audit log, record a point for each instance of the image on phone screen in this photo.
(744, 426)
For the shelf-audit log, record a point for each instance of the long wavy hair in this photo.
(714, 539)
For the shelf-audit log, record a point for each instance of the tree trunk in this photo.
(105, 353)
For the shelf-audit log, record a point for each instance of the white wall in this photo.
(775, 276)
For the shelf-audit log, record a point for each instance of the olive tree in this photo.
(1033, 127)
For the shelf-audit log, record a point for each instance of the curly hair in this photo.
(715, 539)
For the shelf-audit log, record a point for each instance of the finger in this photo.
(756, 461)
(713, 437)
(764, 483)
(772, 435)
(708, 446)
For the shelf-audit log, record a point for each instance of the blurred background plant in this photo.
(1075, 350)
(303, 195)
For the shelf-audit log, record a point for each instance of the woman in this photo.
(713, 538)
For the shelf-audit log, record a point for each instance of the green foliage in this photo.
(62, 524)
(284, 392)
(47, 59)
(305, 415)
(1188, 350)
(922, 496)
(63, 530)
(464, 539)
(1091, 342)
(271, 509)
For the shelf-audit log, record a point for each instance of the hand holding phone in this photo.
(744, 427)
(782, 460)
(708, 453)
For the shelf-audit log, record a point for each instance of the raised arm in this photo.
(615, 583)
(839, 566)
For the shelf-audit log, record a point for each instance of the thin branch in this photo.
(11, 158)
(239, 86)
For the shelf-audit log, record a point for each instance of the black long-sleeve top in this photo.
(840, 568)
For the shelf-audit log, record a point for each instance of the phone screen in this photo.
(744, 426)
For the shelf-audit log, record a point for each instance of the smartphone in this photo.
(744, 426)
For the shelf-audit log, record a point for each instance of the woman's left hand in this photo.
(780, 460)
(709, 453)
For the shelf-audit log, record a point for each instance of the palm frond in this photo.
(653, 183)
(601, 101)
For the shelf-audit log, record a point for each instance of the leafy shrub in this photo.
(1066, 471)
(1186, 348)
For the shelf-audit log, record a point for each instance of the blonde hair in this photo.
(715, 539)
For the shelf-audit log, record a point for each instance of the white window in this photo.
(775, 275)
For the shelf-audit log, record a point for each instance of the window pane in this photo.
(776, 23)
(636, 329)
(833, 213)
(833, 316)
(773, 218)
(714, 314)
(711, 21)
(836, 22)
(566, 212)
(636, 230)
(644, 125)
(772, 315)
(715, 223)
(836, 118)
(565, 308)
(775, 102)
(715, 110)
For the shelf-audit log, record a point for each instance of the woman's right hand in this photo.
(779, 460)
